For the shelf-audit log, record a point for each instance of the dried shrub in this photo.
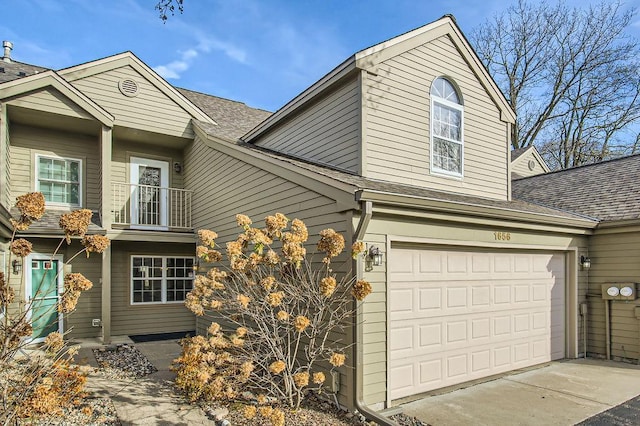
(282, 317)
(37, 387)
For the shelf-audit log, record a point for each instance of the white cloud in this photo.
(173, 69)
(237, 54)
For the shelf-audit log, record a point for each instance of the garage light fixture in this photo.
(373, 258)
(585, 262)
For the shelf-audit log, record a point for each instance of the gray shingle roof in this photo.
(14, 70)
(49, 223)
(515, 153)
(361, 183)
(606, 191)
(234, 118)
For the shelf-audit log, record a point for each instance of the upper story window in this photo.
(59, 180)
(446, 128)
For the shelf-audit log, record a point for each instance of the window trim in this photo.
(453, 105)
(163, 278)
(36, 181)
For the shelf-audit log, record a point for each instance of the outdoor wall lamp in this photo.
(373, 258)
(16, 265)
(177, 167)
(585, 262)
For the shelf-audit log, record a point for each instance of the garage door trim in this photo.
(571, 283)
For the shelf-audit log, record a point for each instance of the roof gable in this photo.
(129, 59)
(521, 162)
(52, 79)
(367, 59)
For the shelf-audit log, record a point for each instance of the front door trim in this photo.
(29, 285)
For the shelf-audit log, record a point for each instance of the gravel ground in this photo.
(127, 362)
(123, 362)
(313, 412)
(92, 411)
(404, 420)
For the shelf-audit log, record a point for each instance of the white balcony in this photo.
(151, 207)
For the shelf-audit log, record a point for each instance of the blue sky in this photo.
(261, 52)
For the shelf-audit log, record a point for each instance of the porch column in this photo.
(106, 296)
(106, 144)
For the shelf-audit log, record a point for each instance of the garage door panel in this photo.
(472, 315)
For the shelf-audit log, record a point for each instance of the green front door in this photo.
(44, 297)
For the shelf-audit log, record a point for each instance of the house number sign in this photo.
(502, 236)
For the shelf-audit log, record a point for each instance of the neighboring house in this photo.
(405, 145)
(527, 162)
(109, 136)
(607, 192)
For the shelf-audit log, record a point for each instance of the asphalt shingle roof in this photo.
(515, 153)
(605, 191)
(14, 70)
(49, 223)
(359, 182)
(234, 118)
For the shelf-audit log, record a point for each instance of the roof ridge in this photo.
(582, 166)
(220, 97)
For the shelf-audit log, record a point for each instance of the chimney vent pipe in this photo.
(7, 46)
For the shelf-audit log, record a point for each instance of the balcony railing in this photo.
(151, 207)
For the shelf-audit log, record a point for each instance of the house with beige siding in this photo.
(404, 145)
(108, 136)
(527, 162)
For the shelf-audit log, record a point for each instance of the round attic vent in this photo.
(128, 87)
(532, 164)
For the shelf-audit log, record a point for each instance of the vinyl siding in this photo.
(90, 303)
(520, 167)
(50, 100)
(26, 142)
(124, 149)
(226, 186)
(396, 121)
(151, 318)
(5, 159)
(614, 259)
(327, 132)
(150, 110)
(381, 231)
(77, 323)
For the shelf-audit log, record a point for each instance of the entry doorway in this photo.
(44, 283)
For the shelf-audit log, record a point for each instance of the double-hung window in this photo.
(160, 279)
(446, 129)
(59, 180)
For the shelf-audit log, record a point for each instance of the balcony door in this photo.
(149, 192)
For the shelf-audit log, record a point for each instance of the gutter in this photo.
(466, 208)
(369, 414)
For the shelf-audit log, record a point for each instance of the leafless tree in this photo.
(571, 75)
(166, 7)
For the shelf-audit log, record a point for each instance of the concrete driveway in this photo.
(560, 393)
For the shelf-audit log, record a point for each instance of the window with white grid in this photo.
(59, 180)
(160, 279)
(446, 129)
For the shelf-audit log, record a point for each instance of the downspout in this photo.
(363, 223)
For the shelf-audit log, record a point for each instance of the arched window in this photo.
(446, 128)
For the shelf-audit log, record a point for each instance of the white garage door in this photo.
(462, 315)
